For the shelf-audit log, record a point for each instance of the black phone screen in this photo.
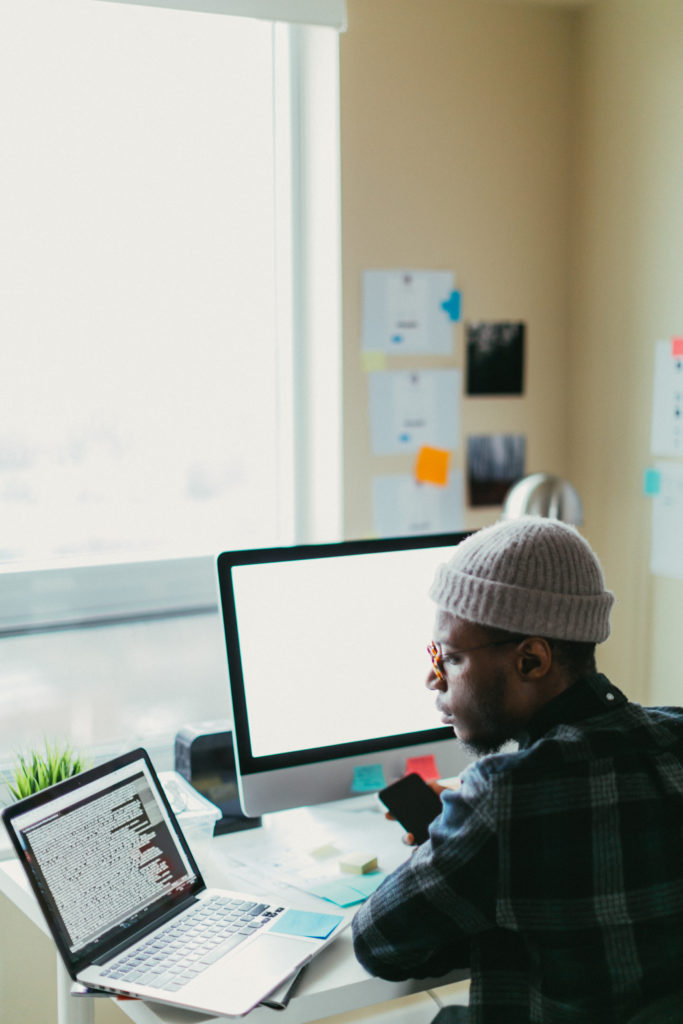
(413, 803)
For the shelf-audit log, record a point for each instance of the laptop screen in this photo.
(105, 856)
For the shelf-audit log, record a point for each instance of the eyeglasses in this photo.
(439, 658)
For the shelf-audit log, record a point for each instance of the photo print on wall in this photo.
(494, 463)
(495, 358)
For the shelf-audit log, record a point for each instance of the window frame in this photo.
(308, 188)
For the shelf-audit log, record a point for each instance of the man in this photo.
(555, 870)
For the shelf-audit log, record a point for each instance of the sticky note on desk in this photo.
(366, 884)
(358, 863)
(346, 893)
(341, 893)
(325, 851)
(306, 924)
(367, 778)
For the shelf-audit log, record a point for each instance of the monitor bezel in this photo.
(252, 765)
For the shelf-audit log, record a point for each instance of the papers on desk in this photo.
(306, 858)
(301, 870)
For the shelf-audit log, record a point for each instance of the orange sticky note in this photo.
(425, 767)
(677, 347)
(432, 466)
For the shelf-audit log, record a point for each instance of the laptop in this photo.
(128, 908)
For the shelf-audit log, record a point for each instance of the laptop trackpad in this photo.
(251, 973)
(271, 954)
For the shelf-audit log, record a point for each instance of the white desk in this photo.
(334, 982)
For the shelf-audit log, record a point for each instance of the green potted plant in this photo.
(39, 769)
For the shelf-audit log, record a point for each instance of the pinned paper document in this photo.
(403, 506)
(409, 312)
(667, 400)
(412, 408)
(666, 550)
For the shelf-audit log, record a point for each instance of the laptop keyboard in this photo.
(178, 953)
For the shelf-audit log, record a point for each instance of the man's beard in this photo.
(495, 728)
(481, 747)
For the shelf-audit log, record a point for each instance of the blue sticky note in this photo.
(452, 305)
(368, 778)
(307, 924)
(397, 339)
(652, 481)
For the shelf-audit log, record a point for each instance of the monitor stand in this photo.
(235, 823)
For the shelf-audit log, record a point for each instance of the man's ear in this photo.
(534, 657)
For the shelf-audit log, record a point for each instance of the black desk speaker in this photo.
(204, 756)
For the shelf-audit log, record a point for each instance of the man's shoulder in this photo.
(631, 731)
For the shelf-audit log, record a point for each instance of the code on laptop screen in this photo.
(106, 858)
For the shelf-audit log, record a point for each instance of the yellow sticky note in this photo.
(358, 863)
(373, 361)
(322, 852)
(432, 466)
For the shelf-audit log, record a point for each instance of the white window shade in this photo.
(331, 13)
(103, 263)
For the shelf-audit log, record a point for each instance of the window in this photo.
(168, 390)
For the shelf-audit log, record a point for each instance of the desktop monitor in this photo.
(327, 659)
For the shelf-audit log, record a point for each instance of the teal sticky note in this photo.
(346, 893)
(341, 893)
(366, 884)
(307, 924)
(368, 778)
(652, 481)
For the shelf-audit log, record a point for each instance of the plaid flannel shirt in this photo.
(554, 872)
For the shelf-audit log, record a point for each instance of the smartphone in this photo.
(413, 803)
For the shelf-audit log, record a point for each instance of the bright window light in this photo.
(169, 315)
(138, 313)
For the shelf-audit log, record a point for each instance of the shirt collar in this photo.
(592, 695)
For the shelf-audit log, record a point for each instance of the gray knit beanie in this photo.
(529, 575)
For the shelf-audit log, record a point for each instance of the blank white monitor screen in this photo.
(327, 657)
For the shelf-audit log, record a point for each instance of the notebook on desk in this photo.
(128, 908)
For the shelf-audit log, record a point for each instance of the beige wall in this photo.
(537, 151)
(627, 282)
(28, 974)
(457, 128)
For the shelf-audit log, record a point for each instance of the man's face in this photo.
(475, 695)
